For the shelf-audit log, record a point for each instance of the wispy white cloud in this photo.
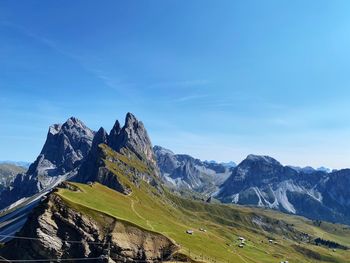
(41, 39)
(113, 82)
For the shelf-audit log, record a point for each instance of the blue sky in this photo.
(215, 79)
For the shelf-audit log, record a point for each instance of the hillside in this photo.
(172, 216)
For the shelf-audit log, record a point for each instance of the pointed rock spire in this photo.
(89, 168)
(134, 137)
(101, 136)
(130, 119)
(113, 135)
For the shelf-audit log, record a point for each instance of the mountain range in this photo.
(17, 163)
(109, 174)
(72, 151)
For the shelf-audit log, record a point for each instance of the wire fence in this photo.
(165, 254)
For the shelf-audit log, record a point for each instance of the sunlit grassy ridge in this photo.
(171, 215)
(223, 224)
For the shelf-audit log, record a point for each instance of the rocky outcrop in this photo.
(65, 147)
(58, 230)
(181, 171)
(262, 181)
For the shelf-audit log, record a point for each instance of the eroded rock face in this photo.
(53, 225)
(134, 137)
(133, 243)
(90, 166)
(59, 231)
(65, 147)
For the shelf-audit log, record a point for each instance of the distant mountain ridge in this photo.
(229, 164)
(17, 163)
(263, 181)
(8, 172)
(182, 171)
(309, 169)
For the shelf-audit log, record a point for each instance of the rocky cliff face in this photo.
(65, 147)
(182, 171)
(72, 151)
(263, 181)
(58, 230)
(90, 166)
(133, 137)
(125, 151)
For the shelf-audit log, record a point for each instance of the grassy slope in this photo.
(171, 215)
(141, 208)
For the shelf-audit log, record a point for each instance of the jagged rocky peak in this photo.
(132, 136)
(131, 141)
(113, 135)
(101, 136)
(54, 129)
(65, 145)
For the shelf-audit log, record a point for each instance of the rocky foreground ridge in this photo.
(58, 230)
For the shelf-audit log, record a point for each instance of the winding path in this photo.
(140, 216)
